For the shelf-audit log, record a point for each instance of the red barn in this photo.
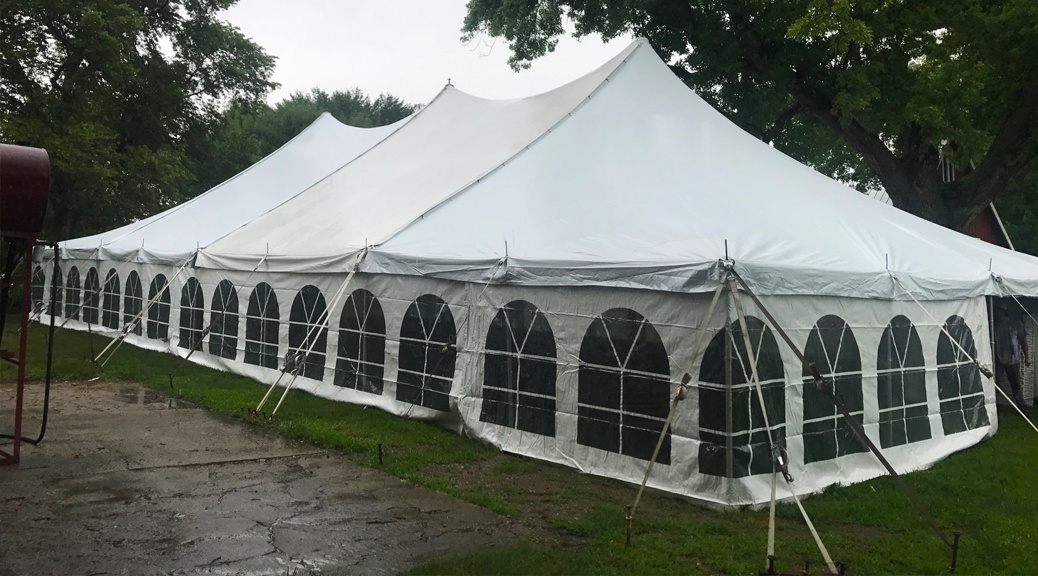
(988, 227)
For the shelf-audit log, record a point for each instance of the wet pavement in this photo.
(129, 481)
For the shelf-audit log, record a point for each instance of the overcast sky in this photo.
(407, 48)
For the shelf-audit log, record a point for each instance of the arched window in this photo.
(72, 294)
(158, 313)
(958, 380)
(112, 292)
(362, 344)
(261, 327)
(133, 302)
(427, 354)
(519, 370)
(751, 452)
(223, 338)
(623, 393)
(91, 297)
(901, 385)
(37, 289)
(58, 284)
(308, 312)
(192, 314)
(832, 348)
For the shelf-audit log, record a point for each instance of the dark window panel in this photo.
(262, 319)
(37, 289)
(362, 344)
(158, 313)
(72, 294)
(599, 387)
(831, 346)
(958, 379)
(192, 314)
(308, 313)
(520, 356)
(901, 382)
(58, 296)
(223, 337)
(133, 303)
(110, 301)
(427, 354)
(537, 376)
(624, 375)
(91, 297)
(745, 410)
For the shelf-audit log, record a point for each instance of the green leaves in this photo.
(532, 27)
(115, 89)
(831, 21)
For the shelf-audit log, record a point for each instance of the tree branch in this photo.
(780, 124)
(681, 72)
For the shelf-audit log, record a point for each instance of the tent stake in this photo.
(90, 335)
(955, 551)
(629, 518)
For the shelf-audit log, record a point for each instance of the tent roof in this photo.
(174, 235)
(451, 143)
(648, 186)
(624, 177)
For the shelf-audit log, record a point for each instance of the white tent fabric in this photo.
(173, 236)
(623, 178)
(451, 143)
(535, 272)
(643, 186)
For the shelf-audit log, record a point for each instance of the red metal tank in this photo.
(24, 182)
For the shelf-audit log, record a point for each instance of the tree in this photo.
(118, 91)
(874, 92)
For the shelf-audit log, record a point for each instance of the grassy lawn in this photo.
(989, 493)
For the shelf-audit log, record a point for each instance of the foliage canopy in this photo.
(143, 104)
(115, 90)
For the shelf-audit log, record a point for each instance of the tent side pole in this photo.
(729, 454)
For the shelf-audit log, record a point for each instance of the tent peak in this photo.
(603, 71)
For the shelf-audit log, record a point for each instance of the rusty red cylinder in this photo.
(24, 182)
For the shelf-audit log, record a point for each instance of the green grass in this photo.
(989, 493)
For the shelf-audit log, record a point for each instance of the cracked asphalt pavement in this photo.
(129, 481)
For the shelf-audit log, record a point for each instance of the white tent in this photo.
(174, 235)
(537, 272)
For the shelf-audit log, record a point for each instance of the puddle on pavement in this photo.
(145, 396)
(98, 492)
